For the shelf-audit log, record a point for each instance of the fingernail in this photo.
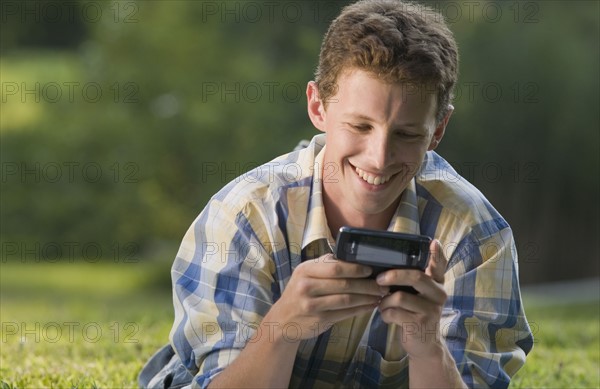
(384, 290)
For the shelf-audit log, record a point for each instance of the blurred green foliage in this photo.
(163, 102)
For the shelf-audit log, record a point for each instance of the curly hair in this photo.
(396, 41)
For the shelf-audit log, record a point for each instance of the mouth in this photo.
(371, 178)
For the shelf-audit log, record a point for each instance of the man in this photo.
(259, 298)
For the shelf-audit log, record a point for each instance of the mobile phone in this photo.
(383, 250)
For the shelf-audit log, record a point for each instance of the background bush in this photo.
(525, 129)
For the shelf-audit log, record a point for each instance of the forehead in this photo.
(363, 93)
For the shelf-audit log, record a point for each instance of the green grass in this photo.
(566, 349)
(51, 316)
(81, 325)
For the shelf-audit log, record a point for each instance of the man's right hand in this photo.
(324, 291)
(320, 293)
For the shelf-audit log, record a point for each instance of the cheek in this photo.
(411, 158)
(411, 153)
(345, 143)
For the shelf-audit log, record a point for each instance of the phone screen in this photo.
(381, 254)
(382, 248)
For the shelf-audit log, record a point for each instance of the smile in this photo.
(371, 178)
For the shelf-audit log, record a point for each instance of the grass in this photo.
(80, 325)
(567, 347)
(94, 325)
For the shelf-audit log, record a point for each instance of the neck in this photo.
(336, 217)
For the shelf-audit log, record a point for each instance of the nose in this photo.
(381, 152)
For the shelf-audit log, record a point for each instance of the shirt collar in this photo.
(316, 222)
(406, 218)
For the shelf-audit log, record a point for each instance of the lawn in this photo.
(567, 347)
(94, 325)
(81, 325)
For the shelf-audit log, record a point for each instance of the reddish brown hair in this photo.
(396, 41)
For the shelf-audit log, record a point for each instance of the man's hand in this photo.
(320, 293)
(418, 316)
(324, 291)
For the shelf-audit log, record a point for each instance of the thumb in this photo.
(437, 262)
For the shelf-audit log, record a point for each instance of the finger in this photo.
(399, 277)
(408, 302)
(366, 286)
(437, 262)
(399, 316)
(423, 283)
(327, 266)
(335, 302)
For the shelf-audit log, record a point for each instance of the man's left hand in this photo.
(417, 315)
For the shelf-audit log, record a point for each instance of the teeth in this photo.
(373, 180)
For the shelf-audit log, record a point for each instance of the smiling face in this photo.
(377, 136)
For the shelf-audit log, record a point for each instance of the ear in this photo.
(316, 109)
(440, 130)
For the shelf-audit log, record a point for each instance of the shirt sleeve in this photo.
(222, 288)
(483, 320)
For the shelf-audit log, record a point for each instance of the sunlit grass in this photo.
(81, 325)
(94, 325)
(567, 347)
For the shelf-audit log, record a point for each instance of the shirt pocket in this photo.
(369, 369)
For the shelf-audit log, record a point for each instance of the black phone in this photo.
(383, 250)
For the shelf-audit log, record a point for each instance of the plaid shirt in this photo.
(238, 255)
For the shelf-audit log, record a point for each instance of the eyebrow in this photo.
(359, 116)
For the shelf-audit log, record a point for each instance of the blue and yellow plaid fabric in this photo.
(238, 255)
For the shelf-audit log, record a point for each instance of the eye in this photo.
(360, 127)
(408, 135)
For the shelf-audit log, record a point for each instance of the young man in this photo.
(260, 301)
